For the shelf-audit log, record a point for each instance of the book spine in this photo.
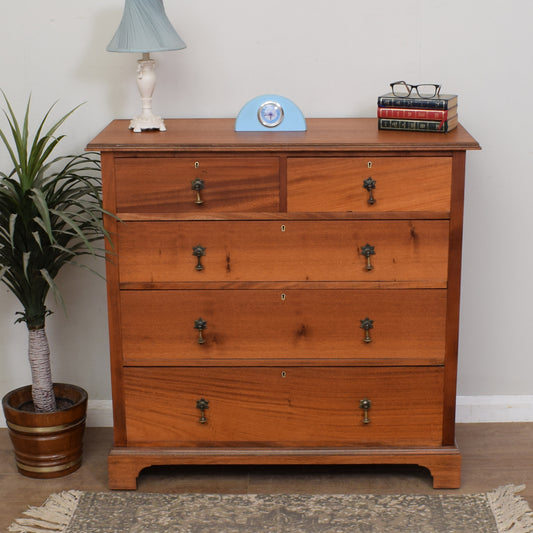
(417, 103)
(413, 114)
(413, 125)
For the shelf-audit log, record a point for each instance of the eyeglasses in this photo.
(424, 90)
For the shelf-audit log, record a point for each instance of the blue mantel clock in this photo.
(270, 112)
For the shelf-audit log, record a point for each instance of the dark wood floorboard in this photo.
(493, 455)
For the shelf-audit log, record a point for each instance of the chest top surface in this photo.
(330, 134)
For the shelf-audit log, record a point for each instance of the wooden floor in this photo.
(493, 455)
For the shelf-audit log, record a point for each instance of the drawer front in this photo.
(165, 184)
(278, 406)
(334, 184)
(158, 327)
(284, 251)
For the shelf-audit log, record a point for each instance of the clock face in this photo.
(270, 114)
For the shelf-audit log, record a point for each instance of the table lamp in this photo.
(145, 28)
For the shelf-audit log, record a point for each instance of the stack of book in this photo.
(414, 113)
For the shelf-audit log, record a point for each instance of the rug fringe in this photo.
(52, 517)
(512, 512)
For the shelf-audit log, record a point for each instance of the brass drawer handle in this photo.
(367, 325)
(198, 252)
(197, 186)
(365, 405)
(369, 184)
(368, 251)
(202, 405)
(200, 325)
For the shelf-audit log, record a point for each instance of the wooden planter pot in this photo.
(47, 445)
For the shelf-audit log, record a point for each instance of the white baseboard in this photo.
(470, 410)
(100, 413)
(478, 409)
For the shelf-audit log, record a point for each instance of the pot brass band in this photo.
(198, 252)
(369, 184)
(365, 405)
(197, 186)
(367, 325)
(200, 325)
(367, 250)
(48, 469)
(43, 430)
(202, 405)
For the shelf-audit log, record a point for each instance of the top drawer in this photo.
(165, 184)
(319, 184)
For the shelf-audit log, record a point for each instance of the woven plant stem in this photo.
(41, 374)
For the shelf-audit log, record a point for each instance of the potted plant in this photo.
(50, 215)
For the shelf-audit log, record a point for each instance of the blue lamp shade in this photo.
(145, 28)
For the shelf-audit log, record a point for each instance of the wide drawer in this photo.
(332, 184)
(164, 328)
(400, 250)
(277, 406)
(165, 184)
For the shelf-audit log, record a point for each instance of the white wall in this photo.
(333, 59)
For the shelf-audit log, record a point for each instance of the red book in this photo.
(416, 114)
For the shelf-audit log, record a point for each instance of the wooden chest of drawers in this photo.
(283, 298)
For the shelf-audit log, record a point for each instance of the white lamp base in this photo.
(146, 84)
(147, 122)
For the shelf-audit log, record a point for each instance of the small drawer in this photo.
(350, 184)
(278, 406)
(178, 184)
(401, 326)
(401, 250)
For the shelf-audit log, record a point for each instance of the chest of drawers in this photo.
(283, 298)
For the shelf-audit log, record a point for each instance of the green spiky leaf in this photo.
(50, 211)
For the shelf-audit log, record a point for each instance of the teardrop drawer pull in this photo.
(367, 250)
(369, 184)
(197, 186)
(198, 252)
(365, 405)
(367, 325)
(200, 325)
(202, 405)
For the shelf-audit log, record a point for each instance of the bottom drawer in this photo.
(275, 406)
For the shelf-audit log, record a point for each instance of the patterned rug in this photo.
(501, 510)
